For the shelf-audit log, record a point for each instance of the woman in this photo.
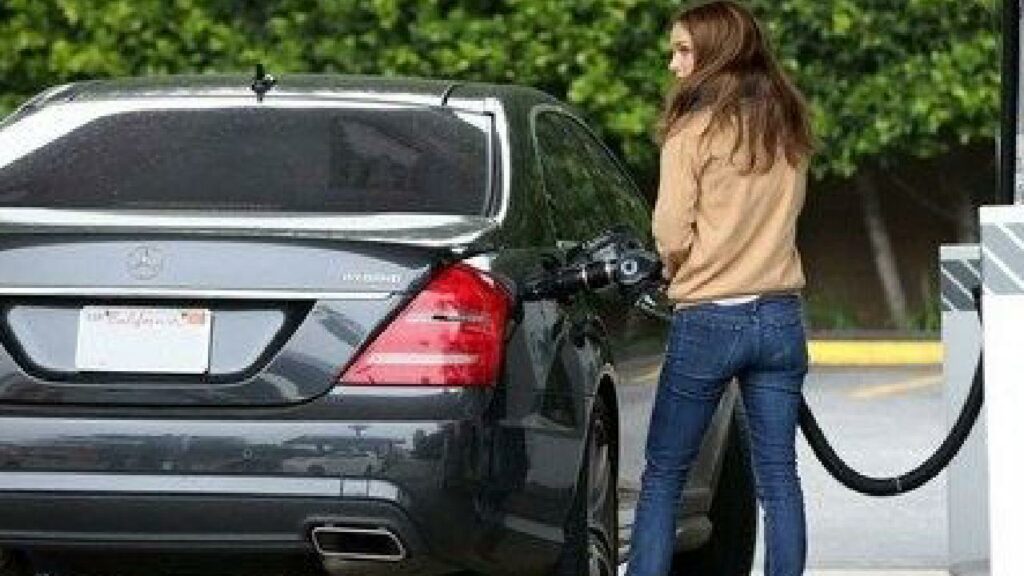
(735, 145)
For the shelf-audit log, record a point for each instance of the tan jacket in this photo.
(720, 232)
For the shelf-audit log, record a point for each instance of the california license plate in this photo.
(135, 339)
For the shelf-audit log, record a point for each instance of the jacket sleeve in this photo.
(675, 208)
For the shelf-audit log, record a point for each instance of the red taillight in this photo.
(451, 334)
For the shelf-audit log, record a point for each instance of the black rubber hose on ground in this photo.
(918, 476)
(911, 480)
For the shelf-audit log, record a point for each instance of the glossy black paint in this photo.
(471, 478)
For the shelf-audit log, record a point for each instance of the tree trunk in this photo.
(967, 217)
(881, 249)
(956, 190)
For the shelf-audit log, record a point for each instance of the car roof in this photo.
(313, 85)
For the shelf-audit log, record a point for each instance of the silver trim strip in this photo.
(173, 292)
(501, 126)
(408, 227)
(199, 484)
(168, 484)
(279, 97)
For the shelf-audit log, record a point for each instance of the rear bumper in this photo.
(236, 486)
(213, 534)
(180, 522)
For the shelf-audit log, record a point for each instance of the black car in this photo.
(289, 330)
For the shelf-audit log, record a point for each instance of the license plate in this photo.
(134, 339)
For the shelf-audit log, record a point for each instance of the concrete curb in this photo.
(874, 352)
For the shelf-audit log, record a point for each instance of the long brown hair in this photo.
(736, 76)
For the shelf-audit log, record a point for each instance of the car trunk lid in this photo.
(284, 316)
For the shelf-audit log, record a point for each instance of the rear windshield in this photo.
(322, 160)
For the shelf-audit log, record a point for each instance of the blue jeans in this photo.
(763, 344)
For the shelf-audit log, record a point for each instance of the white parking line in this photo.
(872, 391)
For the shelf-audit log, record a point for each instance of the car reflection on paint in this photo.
(328, 457)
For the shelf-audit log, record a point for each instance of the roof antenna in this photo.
(262, 82)
(448, 92)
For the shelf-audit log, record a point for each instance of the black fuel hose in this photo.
(919, 476)
(639, 266)
(911, 480)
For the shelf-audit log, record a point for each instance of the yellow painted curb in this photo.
(874, 352)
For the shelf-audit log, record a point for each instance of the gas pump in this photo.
(1000, 260)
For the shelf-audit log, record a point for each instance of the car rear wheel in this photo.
(591, 545)
(730, 551)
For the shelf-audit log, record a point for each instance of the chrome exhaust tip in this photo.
(355, 543)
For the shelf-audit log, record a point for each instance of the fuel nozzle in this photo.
(638, 267)
(633, 269)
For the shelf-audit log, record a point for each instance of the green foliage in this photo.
(887, 80)
(829, 312)
(928, 318)
(884, 79)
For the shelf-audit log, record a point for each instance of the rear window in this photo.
(321, 160)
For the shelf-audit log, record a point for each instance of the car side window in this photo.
(571, 180)
(618, 191)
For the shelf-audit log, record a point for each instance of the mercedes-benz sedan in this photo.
(286, 331)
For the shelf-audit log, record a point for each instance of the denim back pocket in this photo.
(785, 347)
(700, 346)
